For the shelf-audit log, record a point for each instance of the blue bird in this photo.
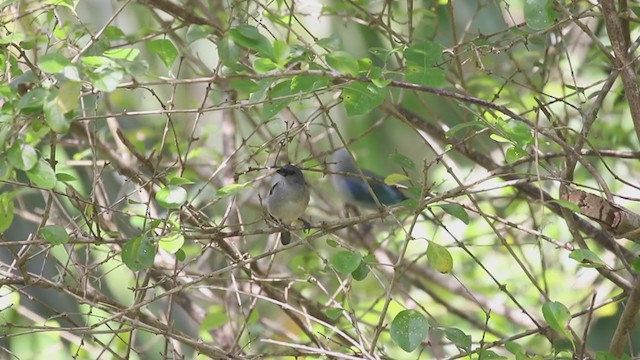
(352, 187)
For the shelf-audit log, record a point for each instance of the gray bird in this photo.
(288, 198)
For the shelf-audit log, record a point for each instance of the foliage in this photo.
(138, 140)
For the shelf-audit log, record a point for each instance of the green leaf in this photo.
(71, 4)
(514, 154)
(539, 14)
(231, 189)
(264, 65)
(360, 98)
(333, 313)
(476, 124)
(424, 76)
(500, 138)
(244, 85)
(249, 37)
(171, 197)
(456, 211)
(228, 52)
(458, 338)
(408, 329)
(107, 80)
(587, 258)
(361, 272)
(424, 54)
(395, 178)
(484, 354)
(557, 316)
(6, 211)
(172, 242)
(343, 62)
(54, 116)
(22, 156)
(54, 234)
(439, 258)
(98, 61)
(53, 63)
(177, 180)
(332, 243)
(346, 262)
(113, 33)
(165, 50)
(11, 38)
(138, 253)
(33, 100)
(308, 83)
(514, 348)
(216, 317)
(272, 108)
(635, 264)
(281, 52)
(605, 355)
(43, 175)
(68, 97)
(64, 177)
(403, 161)
(126, 54)
(181, 255)
(197, 32)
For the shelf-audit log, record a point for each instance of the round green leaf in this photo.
(33, 100)
(249, 37)
(53, 63)
(138, 253)
(403, 161)
(424, 76)
(264, 65)
(165, 50)
(55, 118)
(361, 272)
(216, 317)
(346, 261)
(408, 329)
(557, 316)
(458, 337)
(54, 234)
(231, 189)
(439, 258)
(172, 242)
(360, 98)
(127, 54)
(456, 210)
(228, 52)
(171, 197)
(43, 175)
(395, 178)
(539, 14)
(343, 62)
(587, 258)
(6, 211)
(424, 54)
(68, 97)
(333, 313)
(22, 156)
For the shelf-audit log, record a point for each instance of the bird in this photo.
(288, 198)
(354, 189)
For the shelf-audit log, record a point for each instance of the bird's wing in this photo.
(386, 194)
(273, 187)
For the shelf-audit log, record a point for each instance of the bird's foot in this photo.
(307, 225)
